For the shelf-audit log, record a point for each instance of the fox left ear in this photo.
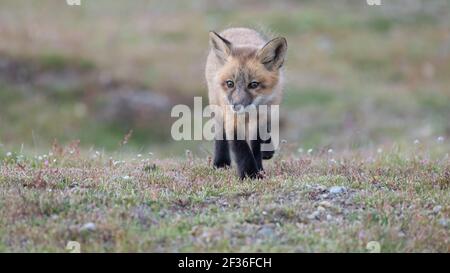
(220, 45)
(273, 53)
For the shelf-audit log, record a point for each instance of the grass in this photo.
(359, 80)
(398, 198)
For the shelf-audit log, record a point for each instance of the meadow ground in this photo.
(363, 84)
(328, 201)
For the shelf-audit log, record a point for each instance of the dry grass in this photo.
(360, 80)
(398, 198)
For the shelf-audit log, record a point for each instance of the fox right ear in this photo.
(273, 53)
(220, 46)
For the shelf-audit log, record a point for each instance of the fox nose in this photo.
(237, 107)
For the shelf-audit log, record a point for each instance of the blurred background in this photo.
(357, 75)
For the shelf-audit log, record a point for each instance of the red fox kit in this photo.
(243, 69)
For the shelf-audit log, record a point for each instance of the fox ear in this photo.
(273, 53)
(220, 45)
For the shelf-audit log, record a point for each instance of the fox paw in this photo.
(222, 164)
(252, 175)
(267, 154)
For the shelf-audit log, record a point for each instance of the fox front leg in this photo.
(257, 154)
(245, 161)
(221, 154)
(266, 155)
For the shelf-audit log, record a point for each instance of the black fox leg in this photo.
(267, 154)
(256, 149)
(245, 161)
(222, 153)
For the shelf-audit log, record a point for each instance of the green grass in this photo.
(52, 61)
(399, 199)
(359, 80)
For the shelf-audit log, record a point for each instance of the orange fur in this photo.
(238, 54)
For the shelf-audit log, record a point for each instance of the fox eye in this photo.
(253, 85)
(230, 84)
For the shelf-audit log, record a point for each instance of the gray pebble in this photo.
(443, 222)
(88, 227)
(337, 190)
(266, 232)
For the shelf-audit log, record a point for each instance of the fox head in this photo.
(248, 75)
